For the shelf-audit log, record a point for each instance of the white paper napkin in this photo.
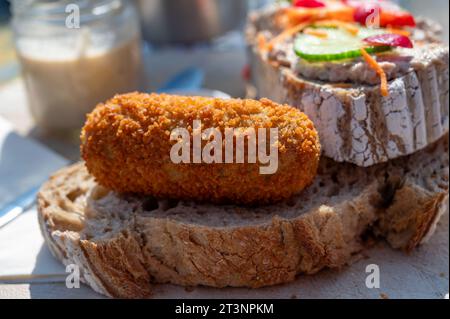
(24, 164)
(24, 257)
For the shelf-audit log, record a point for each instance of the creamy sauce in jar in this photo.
(62, 86)
(68, 71)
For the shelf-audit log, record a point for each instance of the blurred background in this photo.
(163, 37)
(168, 26)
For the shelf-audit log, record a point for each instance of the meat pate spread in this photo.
(394, 63)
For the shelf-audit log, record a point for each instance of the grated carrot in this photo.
(261, 40)
(342, 13)
(349, 27)
(316, 33)
(299, 19)
(376, 67)
(296, 16)
(399, 31)
(286, 34)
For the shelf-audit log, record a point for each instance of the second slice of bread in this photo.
(355, 122)
(123, 243)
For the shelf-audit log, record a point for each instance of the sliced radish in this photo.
(364, 11)
(309, 3)
(387, 14)
(390, 39)
(397, 19)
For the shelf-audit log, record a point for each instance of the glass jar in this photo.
(75, 54)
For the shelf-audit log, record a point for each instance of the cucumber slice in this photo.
(338, 45)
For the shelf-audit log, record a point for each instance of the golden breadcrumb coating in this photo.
(126, 146)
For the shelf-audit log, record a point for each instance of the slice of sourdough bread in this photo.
(123, 243)
(355, 122)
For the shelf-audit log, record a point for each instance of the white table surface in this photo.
(423, 274)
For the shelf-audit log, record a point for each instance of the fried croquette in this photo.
(127, 145)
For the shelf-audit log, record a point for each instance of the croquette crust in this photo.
(126, 147)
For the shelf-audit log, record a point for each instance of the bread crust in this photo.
(400, 204)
